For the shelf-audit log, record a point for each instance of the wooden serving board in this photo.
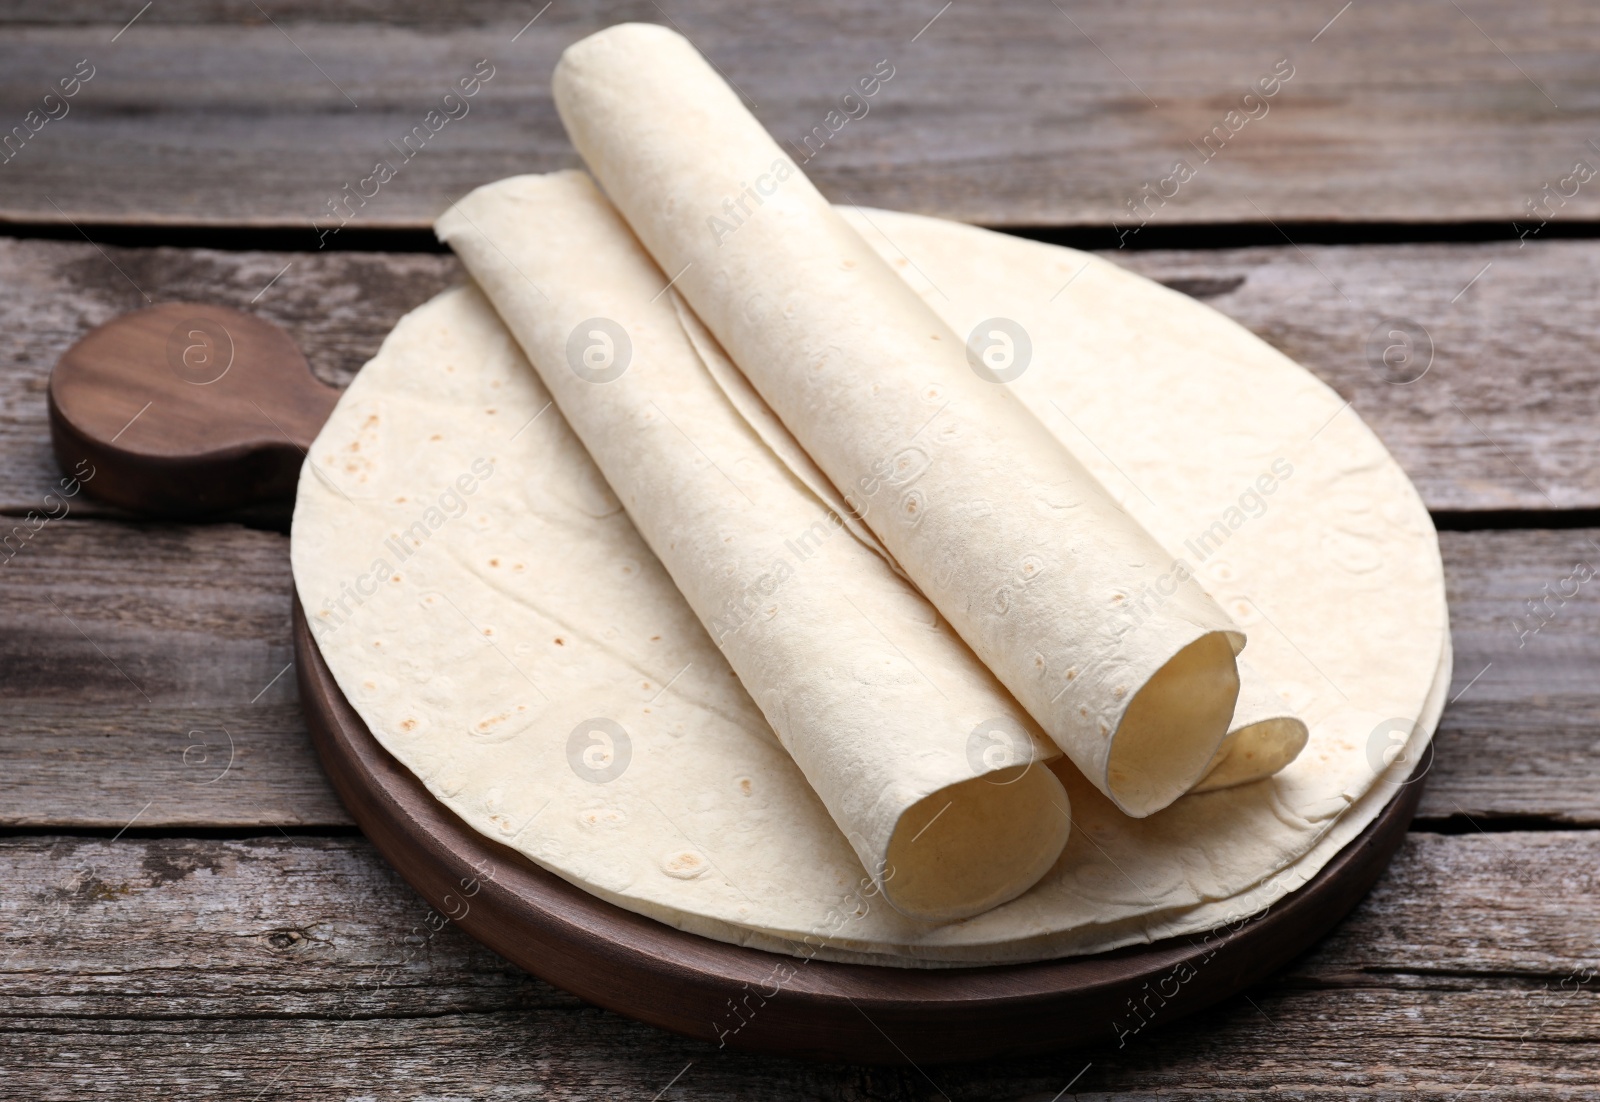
(201, 446)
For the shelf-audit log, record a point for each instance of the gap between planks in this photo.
(1494, 428)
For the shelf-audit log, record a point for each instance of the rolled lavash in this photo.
(1003, 529)
(918, 753)
(1264, 736)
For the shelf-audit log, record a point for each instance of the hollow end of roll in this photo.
(1173, 726)
(972, 846)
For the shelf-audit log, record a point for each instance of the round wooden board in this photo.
(750, 999)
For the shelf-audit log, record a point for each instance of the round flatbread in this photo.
(493, 616)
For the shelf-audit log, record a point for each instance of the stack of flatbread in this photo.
(855, 584)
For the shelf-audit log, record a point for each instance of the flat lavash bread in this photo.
(886, 711)
(1003, 529)
(418, 416)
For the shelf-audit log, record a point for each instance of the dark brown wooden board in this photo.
(764, 1002)
(185, 409)
(1016, 112)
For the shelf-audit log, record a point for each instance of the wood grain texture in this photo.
(1523, 691)
(146, 674)
(124, 640)
(1010, 113)
(186, 410)
(274, 968)
(1502, 420)
(1504, 416)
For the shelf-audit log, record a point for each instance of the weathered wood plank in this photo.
(304, 968)
(1504, 415)
(146, 676)
(1011, 113)
(106, 764)
(1384, 1047)
(140, 660)
(1503, 419)
(1524, 712)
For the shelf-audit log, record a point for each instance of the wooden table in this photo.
(187, 911)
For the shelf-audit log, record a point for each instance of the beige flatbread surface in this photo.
(489, 610)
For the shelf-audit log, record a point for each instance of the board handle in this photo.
(185, 409)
